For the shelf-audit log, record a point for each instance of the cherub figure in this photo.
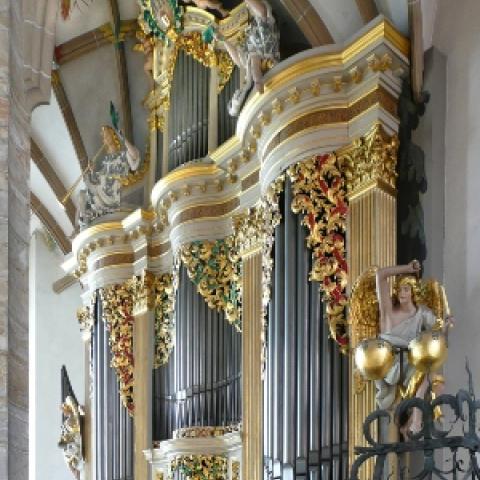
(260, 51)
(103, 178)
(211, 4)
(402, 318)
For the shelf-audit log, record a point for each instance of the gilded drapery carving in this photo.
(319, 189)
(213, 268)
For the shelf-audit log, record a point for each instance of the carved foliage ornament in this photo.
(71, 441)
(256, 229)
(319, 192)
(86, 317)
(213, 268)
(118, 314)
(372, 158)
(120, 304)
(200, 467)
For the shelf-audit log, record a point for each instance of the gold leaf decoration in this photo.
(86, 316)
(213, 268)
(164, 319)
(118, 314)
(200, 467)
(319, 192)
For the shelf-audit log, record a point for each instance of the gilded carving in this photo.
(164, 319)
(86, 317)
(71, 438)
(213, 268)
(235, 470)
(371, 160)
(200, 467)
(205, 432)
(118, 314)
(319, 189)
(255, 229)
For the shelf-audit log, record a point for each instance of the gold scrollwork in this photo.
(205, 432)
(118, 303)
(319, 192)
(200, 467)
(164, 319)
(213, 268)
(371, 160)
(235, 470)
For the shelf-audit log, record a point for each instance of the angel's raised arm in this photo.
(383, 290)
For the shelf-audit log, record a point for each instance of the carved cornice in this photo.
(319, 192)
(213, 268)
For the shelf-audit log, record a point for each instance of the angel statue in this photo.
(71, 436)
(416, 306)
(103, 176)
(259, 52)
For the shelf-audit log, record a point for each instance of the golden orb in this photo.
(374, 357)
(428, 352)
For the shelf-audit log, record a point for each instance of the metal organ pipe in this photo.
(200, 385)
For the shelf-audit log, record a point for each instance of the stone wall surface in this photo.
(457, 35)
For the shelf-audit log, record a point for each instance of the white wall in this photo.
(54, 341)
(457, 35)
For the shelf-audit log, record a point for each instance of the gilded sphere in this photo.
(374, 358)
(428, 352)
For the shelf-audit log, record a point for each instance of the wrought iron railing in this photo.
(460, 451)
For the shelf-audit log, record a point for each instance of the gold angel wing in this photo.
(364, 313)
(432, 294)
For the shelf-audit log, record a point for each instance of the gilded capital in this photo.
(371, 161)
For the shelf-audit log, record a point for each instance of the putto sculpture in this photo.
(103, 177)
(259, 52)
(411, 344)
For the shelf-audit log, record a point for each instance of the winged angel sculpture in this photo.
(416, 308)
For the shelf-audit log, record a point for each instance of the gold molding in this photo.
(206, 211)
(331, 116)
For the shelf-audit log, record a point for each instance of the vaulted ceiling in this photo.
(91, 71)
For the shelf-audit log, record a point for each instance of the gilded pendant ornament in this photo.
(118, 305)
(164, 319)
(319, 190)
(86, 317)
(213, 268)
(200, 467)
(255, 229)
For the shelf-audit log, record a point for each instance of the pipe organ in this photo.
(220, 336)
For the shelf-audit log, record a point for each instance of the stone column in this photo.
(371, 238)
(143, 345)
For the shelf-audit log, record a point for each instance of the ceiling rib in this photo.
(309, 22)
(89, 41)
(63, 283)
(122, 72)
(69, 119)
(50, 224)
(368, 9)
(52, 179)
